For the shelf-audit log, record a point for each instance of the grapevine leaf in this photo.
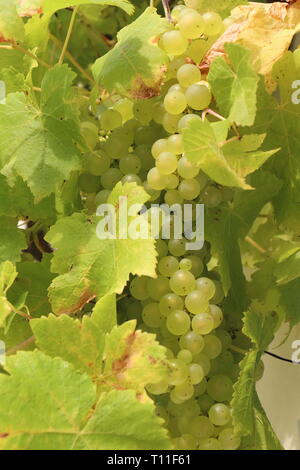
(80, 343)
(223, 8)
(235, 86)
(289, 268)
(259, 328)
(136, 66)
(202, 148)
(11, 26)
(290, 300)
(8, 275)
(38, 144)
(38, 388)
(12, 240)
(90, 266)
(51, 6)
(133, 359)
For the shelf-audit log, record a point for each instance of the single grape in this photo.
(213, 23)
(196, 303)
(130, 164)
(189, 189)
(192, 341)
(198, 97)
(177, 247)
(89, 183)
(174, 43)
(205, 402)
(173, 197)
(158, 388)
(111, 177)
(143, 111)
(206, 286)
(188, 74)
(201, 427)
(210, 443)
(203, 323)
(131, 178)
(170, 122)
(186, 441)
(187, 169)
(175, 102)
(175, 143)
(220, 388)
(97, 164)
(197, 265)
(156, 180)
(178, 372)
(191, 24)
(151, 315)
(161, 248)
(178, 322)
(170, 302)
(185, 264)
(182, 282)
(166, 163)
(185, 120)
(138, 288)
(159, 147)
(216, 314)
(185, 356)
(177, 10)
(168, 265)
(89, 132)
(125, 107)
(101, 197)
(172, 181)
(219, 294)
(219, 414)
(196, 373)
(110, 119)
(158, 287)
(229, 440)
(183, 391)
(158, 113)
(212, 346)
(212, 197)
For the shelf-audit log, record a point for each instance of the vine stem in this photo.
(68, 36)
(26, 52)
(167, 10)
(20, 346)
(255, 245)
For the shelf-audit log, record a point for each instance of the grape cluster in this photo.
(142, 142)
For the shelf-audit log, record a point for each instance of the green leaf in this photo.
(79, 342)
(259, 328)
(8, 274)
(202, 148)
(90, 266)
(223, 8)
(234, 86)
(12, 240)
(136, 65)
(289, 268)
(51, 6)
(46, 405)
(133, 359)
(38, 144)
(11, 26)
(290, 300)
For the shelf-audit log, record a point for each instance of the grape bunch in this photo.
(141, 142)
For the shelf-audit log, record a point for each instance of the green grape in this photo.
(185, 356)
(101, 197)
(156, 180)
(197, 265)
(153, 193)
(220, 388)
(145, 156)
(212, 346)
(110, 178)
(175, 102)
(196, 303)
(219, 294)
(174, 43)
(200, 389)
(138, 288)
(161, 248)
(185, 264)
(143, 111)
(216, 314)
(175, 143)
(170, 302)
(206, 286)
(89, 132)
(174, 65)
(168, 265)
(222, 364)
(176, 11)
(158, 287)
(151, 315)
(178, 322)
(203, 323)
(188, 74)
(130, 164)
(173, 197)
(194, 4)
(196, 373)
(178, 373)
(229, 440)
(198, 97)
(159, 147)
(213, 23)
(227, 194)
(177, 88)
(177, 247)
(212, 197)
(182, 282)
(170, 122)
(209, 444)
(203, 361)
(192, 341)
(189, 189)
(89, 183)
(158, 388)
(110, 119)
(131, 178)
(186, 441)
(186, 169)
(125, 107)
(224, 337)
(172, 181)
(174, 398)
(115, 147)
(183, 392)
(185, 120)
(201, 427)
(147, 135)
(205, 402)
(97, 164)
(203, 180)
(191, 24)
(158, 113)
(166, 163)
(219, 414)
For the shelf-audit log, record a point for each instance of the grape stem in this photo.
(212, 113)
(16, 46)
(167, 10)
(68, 36)
(255, 245)
(22, 345)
